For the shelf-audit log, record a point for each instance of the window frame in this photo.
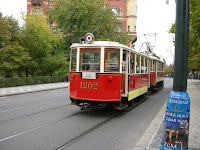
(134, 70)
(115, 49)
(82, 49)
(73, 49)
(136, 64)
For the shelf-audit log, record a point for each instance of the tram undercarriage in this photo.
(157, 87)
(124, 104)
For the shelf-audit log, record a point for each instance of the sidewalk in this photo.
(153, 135)
(32, 88)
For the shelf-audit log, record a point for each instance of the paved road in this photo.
(45, 120)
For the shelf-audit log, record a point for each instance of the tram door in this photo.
(124, 72)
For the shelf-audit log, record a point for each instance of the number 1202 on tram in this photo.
(104, 73)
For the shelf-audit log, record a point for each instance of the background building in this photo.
(39, 6)
(126, 13)
(127, 16)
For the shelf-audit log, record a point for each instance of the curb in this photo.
(32, 88)
(148, 136)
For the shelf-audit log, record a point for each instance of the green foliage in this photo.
(78, 17)
(41, 43)
(12, 82)
(194, 35)
(12, 53)
(169, 69)
(194, 39)
(32, 50)
(172, 29)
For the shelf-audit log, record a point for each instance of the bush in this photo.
(12, 82)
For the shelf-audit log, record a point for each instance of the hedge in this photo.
(23, 81)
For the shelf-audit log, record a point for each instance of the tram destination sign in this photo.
(88, 75)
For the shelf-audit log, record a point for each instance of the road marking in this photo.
(9, 137)
(46, 124)
(20, 108)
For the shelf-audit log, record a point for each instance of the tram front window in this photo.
(90, 59)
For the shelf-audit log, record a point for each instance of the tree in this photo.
(41, 43)
(194, 36)
(12, 53)
(169, 70)
(78, 17)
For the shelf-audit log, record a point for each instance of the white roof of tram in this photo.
(111, 45)
(101, 44)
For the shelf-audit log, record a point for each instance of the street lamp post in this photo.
(168, 50)
(178, 104)
(114, 10)
(181, 45)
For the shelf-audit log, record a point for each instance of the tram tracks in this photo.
(77, 137)
(46, 110)
(38, 127)
(84, 133)
(98, 125)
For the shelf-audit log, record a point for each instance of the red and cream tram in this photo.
(104, 73)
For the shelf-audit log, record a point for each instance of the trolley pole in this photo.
(176, 126)
(114, 10)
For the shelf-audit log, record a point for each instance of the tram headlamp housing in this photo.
(89, 38)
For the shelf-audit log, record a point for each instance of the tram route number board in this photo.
(88, 75)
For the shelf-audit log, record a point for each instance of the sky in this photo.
(153, 16)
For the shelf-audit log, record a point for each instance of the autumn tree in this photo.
(169, 69)
(78, 17)
(194, 35)
(41, 43)
(12, 53)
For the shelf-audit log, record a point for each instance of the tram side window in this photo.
(132, 63)
(159, 66)
(111, 60)
(138, 64)
(73, 59)
(90, 59)
(142, 65)
(146, 65)
(154, 65)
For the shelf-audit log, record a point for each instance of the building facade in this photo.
(39, 6)
(127, 16)
(126, 13)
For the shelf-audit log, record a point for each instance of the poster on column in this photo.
(176, 125)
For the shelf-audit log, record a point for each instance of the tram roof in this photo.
(111, 45)
(155, 58)
(104, 44)
(100, 44)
